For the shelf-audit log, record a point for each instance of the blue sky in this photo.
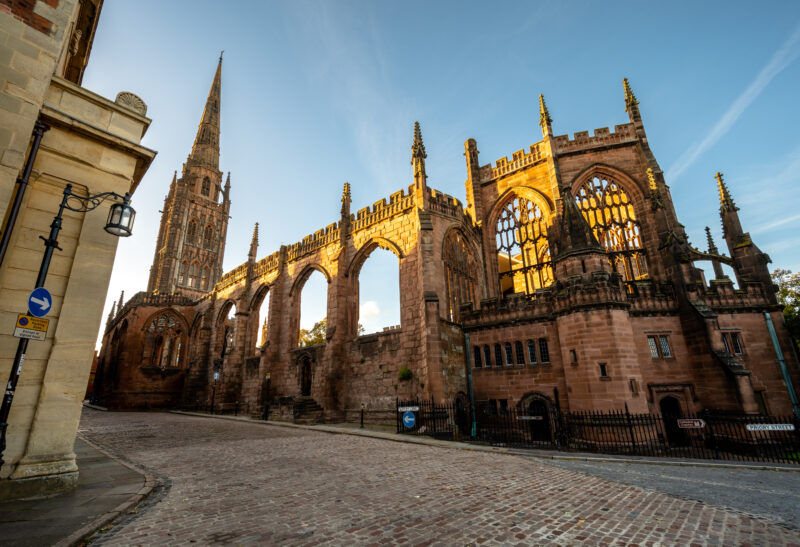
(318, 93)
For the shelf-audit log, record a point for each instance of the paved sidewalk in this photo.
(106, 488)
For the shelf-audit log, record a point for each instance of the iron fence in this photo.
(707, 435)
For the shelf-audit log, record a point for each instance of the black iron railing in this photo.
(707, 435)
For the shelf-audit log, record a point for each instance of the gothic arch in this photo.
(366, 249)
(622, 177)
(461, 270)
(531, 396)
(169, 311)
(223, 310)
(545, 203)
(258, 296)
(165, 340)
(305, 273)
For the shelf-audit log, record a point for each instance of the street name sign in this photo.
(691, 423)
(39, 302)
(30, 327)
(408, 409)
(770, 427)
(530, 417)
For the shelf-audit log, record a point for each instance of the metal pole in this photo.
(782, 363)
(213, 393)
(474, 430)
(38, 131)
(16, 368)
(362, 415)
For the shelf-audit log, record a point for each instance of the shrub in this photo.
(404, 374)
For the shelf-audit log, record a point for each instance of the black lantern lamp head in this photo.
(120, 218)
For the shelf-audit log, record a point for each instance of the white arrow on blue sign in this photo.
(409, 420)
(39, 302)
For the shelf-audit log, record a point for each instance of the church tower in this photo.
(194, 221)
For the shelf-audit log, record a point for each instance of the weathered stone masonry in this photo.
(568, 268)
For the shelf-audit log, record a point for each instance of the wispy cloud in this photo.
(781, 59)
(369, 308)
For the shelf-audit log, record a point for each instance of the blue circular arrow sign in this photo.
(39, 302)
(409, 420)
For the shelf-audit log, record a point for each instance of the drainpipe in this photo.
(471, 390)
(38, 131)
(786, 378)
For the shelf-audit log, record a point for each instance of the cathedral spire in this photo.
(253, 245)
(418, 156)
(346, 200)
(545, 121)
(631, 104)
(206, 144)
(725, 200)
(712, 248)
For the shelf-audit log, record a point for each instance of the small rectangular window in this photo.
(498, 355)
(727, 344)
(509, 356)
(651, 341)
(736, 343)
(532, 352)
(573, 356)
(666, 352)
(520, 353)
(477, 357)
(544, 353)
(487, 356)
(603, 370)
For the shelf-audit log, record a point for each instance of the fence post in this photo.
(433, 414)
(397, 414)
(630, 428)
(713, 436)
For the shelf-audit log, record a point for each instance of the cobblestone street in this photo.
(229, 482)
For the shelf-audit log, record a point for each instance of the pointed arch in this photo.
(460, 269)
(367, 248)
(191, 231)
(544, 202)
(206, 188)
(165, 336)
(301, 279)
(208, 236)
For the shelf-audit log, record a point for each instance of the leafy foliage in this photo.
(317, 333)
(789, 297)
(404, 374)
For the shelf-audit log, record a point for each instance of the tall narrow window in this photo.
(651, 342)
(544, 352)
(609, 212)
(191, 232)
(520, 352)
(736, 343)
(509, 355)
(208, 236)
(459, 273)
(523, 255)
(666, 352)
(194, 276)
(182, 273)
(204, 280)
(206, 188)
(477, 352)
(532, 352)
(498, 355)
(487, 356)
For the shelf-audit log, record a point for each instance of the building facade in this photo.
(566, 282)
(94, 144)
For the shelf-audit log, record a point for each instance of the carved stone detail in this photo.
(131, 101)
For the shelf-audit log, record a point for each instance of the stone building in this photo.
(93, 144)
(566, 281)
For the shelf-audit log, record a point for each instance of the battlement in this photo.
(312, 242)
(398, 202)
(267, 264)
(232, 277)
(519, 160)
(445, 204)
(624, 133)
(722, 296)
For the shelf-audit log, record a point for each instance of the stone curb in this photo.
(148, 487)
(714, 464)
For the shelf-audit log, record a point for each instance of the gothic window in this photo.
(609, 211)
(204, 280)
(208, 236)
(532, 352)
(498, 355)
(459, 276)
(477, 357)
(509, 355)
(194, 276)
(163, 342)
(206, 190)
(544, 352)
(487, 356)
(182, 273)
(191, 232)
(520, 352)
(523, 256)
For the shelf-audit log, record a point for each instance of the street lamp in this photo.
(120, 223)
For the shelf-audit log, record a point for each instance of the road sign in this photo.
(30, 327)
(770, 427)
(687, 423)
(409, 420)
(408, 409)
(39, 302)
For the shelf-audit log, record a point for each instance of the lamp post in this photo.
(120, 223)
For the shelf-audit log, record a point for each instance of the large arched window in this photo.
(194, 276)
(609, 211)
(191, 232)
(523, 255)
(163, 342)
(204, 280)
(182, 273)
(459, 273)
(208, 236)
(206, 189)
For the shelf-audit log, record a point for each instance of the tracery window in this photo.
(204, 280)
(206, 189)
(191, 232)
(208, 236)
(523, 255)
(459, 274)
(163, 342)
(182, 273)
(194, 275)
(609, 211)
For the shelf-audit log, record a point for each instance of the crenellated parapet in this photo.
(267, 264)
(399, 202)
(313, 242)
(603, 137)
(239, 273)
(722, 296)
(519, 160)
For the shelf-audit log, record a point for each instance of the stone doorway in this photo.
(539, 414)
(305, 377)
(670, 413)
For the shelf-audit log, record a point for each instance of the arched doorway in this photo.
(670, 412)
(539, 415)
(305, 376)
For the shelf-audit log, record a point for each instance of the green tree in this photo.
(789, 297)
(317, 333)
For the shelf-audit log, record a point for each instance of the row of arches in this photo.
(521, 220)
(192, 235)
